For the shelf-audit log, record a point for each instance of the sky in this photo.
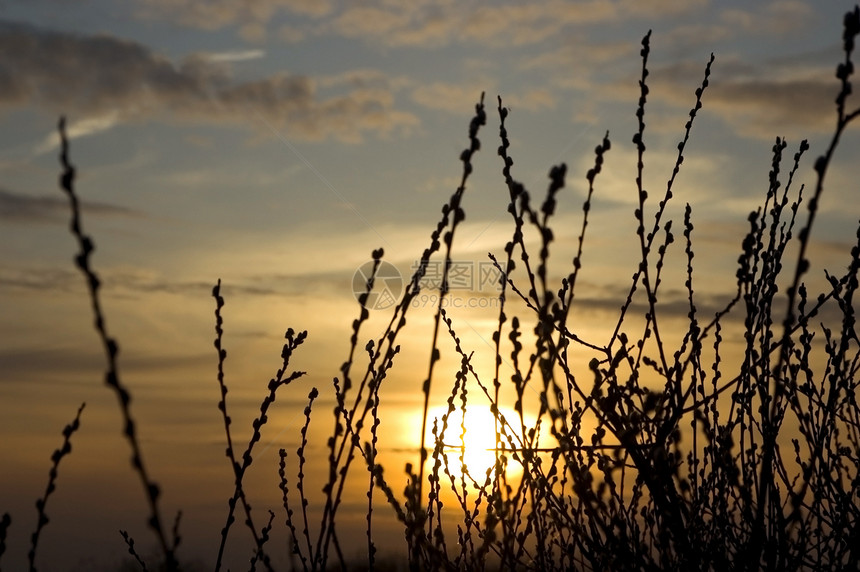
(274, 144)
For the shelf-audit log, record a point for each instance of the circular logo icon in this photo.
(387, 285)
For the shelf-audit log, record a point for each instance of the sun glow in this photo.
(470, 447)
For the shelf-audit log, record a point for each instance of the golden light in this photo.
(470, 445)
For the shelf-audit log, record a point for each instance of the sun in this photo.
(472, 450)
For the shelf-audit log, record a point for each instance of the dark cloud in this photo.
(41, 363)
(17, 207)
(42, 279)
(671, 303)
(764, 108)
(35, 363)
(777, 98)
(126, 283)
(93, 75)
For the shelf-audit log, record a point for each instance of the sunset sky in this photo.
(274, 144)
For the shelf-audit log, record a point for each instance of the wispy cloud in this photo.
(81, 128)
(85, 75)
(38, 279)
(236, 56)
(17, 207)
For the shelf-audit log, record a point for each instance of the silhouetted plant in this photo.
(111, 348)
(5, 523)
(129, 541)
(280, 379)
(687, 466)
(56, 457)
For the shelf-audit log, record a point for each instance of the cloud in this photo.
(364, 21)
(216, 14)
(776, 18)
(122, 282)
(430, 25)
(691, 36)
(523, 24)
(17, 207)
(236, 56)
(459, 98)
(132, 282)
(362, 78)
(82, 128)
(782, 98)
(766, 108)
(499, 25)
(291, 34)
(108, 79)
(583, 57)
(39, 279)
(417, 23)
(580, 53)
(450, 97)
(577, 63)
(531, 100)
